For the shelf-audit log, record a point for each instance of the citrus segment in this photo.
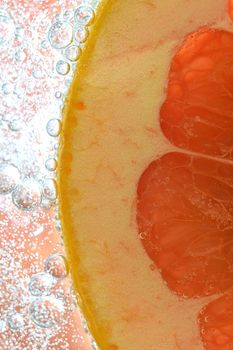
(185, 207)
(216, 322)
(197, 113)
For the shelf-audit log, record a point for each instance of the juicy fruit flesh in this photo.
(216, 322)
(185, 220)
(197, 113)
(185, 200)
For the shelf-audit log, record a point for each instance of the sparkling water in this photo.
(40, 42)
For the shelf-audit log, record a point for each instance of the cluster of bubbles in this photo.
(68, 34)
(37, 306)
(33, 309)
(27, 193)
(47, 311)
(7, 27)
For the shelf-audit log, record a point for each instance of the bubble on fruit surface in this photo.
(62, 67)
(15, 321)
(92, 3)
(93, 343)
(46, 204)
(86, 328)
(9, 176)
(49, 188)
(41, 284)
(53, 127)
(60, 35)
(47, 312)
(56, 146)
(72, 53)
(7, 27)
(56, 265)
(27, 195)
(84, 14)
(80, 33)
(51, 164)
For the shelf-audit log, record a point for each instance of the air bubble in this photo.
(84, 15)
(74, 297)
(15, 125)
(7, 27)
(58, 94)
(72, 53)
(53, 127)
(80, 34)
(38, 74)
(27, 195)
(57, 266)
(93, 343)
(37, 232)
(93, 3)
(45, 44)
(3, 326)
(15, 321)
(68, 82)
(50, 189)
(68, 15)
(58, 16)
(56, 146)
(60, 35)
(46, 204)
(47, 312)
(6, 118)
(20, 55)
(19, 33)
(41, 284)
(51, 164)
(203, 331)
(142, 235)
(58, 226)
(9, 176)
(62, 67)
(7, 88)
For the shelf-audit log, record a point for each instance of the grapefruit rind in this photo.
(64, 157)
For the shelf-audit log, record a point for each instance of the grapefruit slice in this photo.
(145, 175)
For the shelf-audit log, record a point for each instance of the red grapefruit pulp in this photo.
(185, 198)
